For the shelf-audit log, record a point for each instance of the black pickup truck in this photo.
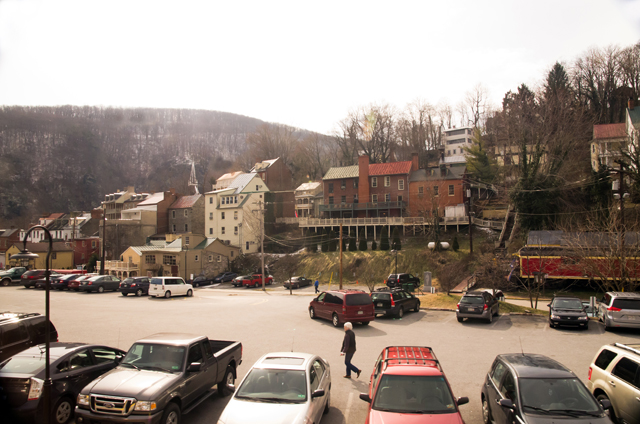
(162, 377)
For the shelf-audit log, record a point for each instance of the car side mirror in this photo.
(317, 393)
(118, 359)
(606, 403)
(506, 403)
(193, 367)
(462, 400)
(549, 305)
(365, 397)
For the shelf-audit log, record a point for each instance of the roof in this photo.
(304, 357)
(342, 172)
(178, 339)
(389, 168)
(531, 365)
(205, 243)
(230, 175)
(308, 186)
(8, 233)
(264, 165)
(238, 184)
(573, 239)
(452, 173)
(184, 202)
(454, 159)
(43, 247)
(153, 199)
(55, 216)
(411, 360)
(605, 131)
(634, 115)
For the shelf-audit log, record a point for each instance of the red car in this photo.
(342, 306)
(408, 386)
(256, 281)
(77, 282)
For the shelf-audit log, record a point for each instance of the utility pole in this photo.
(104, 226)
(341, 256)
(469, 218)
(621, 193)
(261, 211)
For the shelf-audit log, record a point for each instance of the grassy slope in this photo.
(444, 301)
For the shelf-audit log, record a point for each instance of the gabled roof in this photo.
(605, 131)
(57, 246)
(264, 165)
(230, 175)
(8, 233)
(452, 173)
(308, 186)
(341, 172)
(184, 202)
(241, 181)
(390, 168)
(55, 216)
(153, 199)
(205, 243)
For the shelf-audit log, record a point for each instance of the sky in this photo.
(301, 63)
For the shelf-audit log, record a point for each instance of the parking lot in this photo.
(274, 321)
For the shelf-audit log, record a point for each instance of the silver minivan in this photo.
(169, 286)
(619, 309)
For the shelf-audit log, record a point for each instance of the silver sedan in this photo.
(289, 387)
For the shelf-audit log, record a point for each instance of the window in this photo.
(355, 183)
(232, 253)
(195, 354)
(186, 241)
(208, 350)
(83, 243)
(374, 198)
(343, 184)
(454, 151)
(448, 152)
(210, 258)
(186, 212)
(173, 228)
(257, 187)
(626, 370)
(355, 198)
(219, 258)
(104, 354)
(400, 184)
(451, 190)
(54, 255)
(421, 191)
(374, 181)
(400, 199)
(211, 200)
(222, 230)
(235, 230)
(235, 215)
(314, 380)
(235, 199)
(343, 199)
(387, 181)
(435, 190)
(330, 187)
(210, 216)
(331, 200)
(508, 388)
(169, 260)
(247, 248)
(14, 333)
(497, 373)
(210, 230)
(186, 228)
(150, 259)
(387, 197)
(604, 359)
(173, 214)
(93, 244)
(196, 258)
(221, 215)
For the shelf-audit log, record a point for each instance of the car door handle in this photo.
(613, 383)
(638, 398)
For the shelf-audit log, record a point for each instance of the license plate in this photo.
(380, 305)
(360, 312)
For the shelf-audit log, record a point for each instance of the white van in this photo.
(169, 286)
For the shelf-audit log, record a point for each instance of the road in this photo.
(274, 321)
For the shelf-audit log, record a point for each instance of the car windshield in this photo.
(69, 277)
(541, 395)
(23, 365)
(358, 299)
(567, 304)
(274, 385)
(154, 356)
(414, 394)
(472, 299)
(380, 296)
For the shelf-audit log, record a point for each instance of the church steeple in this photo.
(193, 181)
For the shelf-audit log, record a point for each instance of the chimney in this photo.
(414, 161)
(630, 103)
(363, 179)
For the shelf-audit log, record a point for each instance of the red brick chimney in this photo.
(363, 179)
(414, 161)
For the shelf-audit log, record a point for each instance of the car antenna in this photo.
(292, 340)
(521, 350)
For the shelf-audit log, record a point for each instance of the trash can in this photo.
(408, 287)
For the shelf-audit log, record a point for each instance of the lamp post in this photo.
(25, 254)
(185, 249)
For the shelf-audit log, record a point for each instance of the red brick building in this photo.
(278, 178)
(435, 188)
(83, 248)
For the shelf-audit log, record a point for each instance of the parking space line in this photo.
(261, 301)
(349, 402)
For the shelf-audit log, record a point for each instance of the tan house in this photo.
(608, 142)
(61, 255)
(308, 199)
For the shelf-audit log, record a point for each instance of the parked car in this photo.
(99, 283)
(41, 283)
(239, 281)
(619, 309)
(342, 306)
(255, 280)
(169, 286)
(282, 387)
(476, 304)
(160, 378)
(201, 280)
(136, 285)
(12, 275)
(19, 331)
(224, 277)
(394, 302)
(408, 385)
(63, 282)
(529, 388)
(75, 283)
(29, 278)
(297, 282)
(567, 311)
(397, 280)
(614, 376)
(73, 365)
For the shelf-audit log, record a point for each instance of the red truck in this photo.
(408, 386)
(256, 281)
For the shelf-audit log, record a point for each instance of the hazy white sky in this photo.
(300, 63)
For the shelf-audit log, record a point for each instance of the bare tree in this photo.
(450, 276)
(476, 102)
(272, 141)
(285, 268)
(419, 130)
(371, 272)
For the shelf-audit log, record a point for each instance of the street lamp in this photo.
(25, 254)
(185, 249)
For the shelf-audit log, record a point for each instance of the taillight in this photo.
(485, 307)
(392, 302)
(458, 307)
(133, 285)
(90, 282)
(163, 287)
(35, 388)
(590, 373)
(613, 309)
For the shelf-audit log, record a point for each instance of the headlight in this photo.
(583, 318)
(145, 406)
(83, 400)
(554, 316)
(35, 389)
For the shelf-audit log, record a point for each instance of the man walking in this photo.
(316, 284)
(348, 349)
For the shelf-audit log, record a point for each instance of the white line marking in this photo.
(262, 301)
(349, 402)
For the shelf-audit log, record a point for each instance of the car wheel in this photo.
(551, 324)
(365, 322)
(139, 292)
(171, 414)
(460, 319)
(6, 282)
(607, 327)
(225, 387)
(124, 294)
(417, 308)
(312, 313)
(335, 320)
(610, 412)
(327, 405)
(167, 294)
(497, 310)
(400, 312)
(486, 412)
(101, 289)
(189, 293)
(196, 284)
(63, 411)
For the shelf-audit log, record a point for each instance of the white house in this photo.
(455, 139)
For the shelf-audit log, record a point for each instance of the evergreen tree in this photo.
(396, 245)
(384, 239)
(352, 241)
(362, 245)
(480, 166)
(455, 246)
(324, 243)
(333, 241)
(374, 245)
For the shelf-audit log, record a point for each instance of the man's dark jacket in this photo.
(349, 342)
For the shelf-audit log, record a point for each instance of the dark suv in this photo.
(477, 304)
(398, 280)
(19, 331)
(342, 306)
(137, 285)
(394, 302)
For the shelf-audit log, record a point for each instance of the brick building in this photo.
(187, 215)
(278, 178)
(434, 189)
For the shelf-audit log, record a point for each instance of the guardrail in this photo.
(329, 222)
(118, 266)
